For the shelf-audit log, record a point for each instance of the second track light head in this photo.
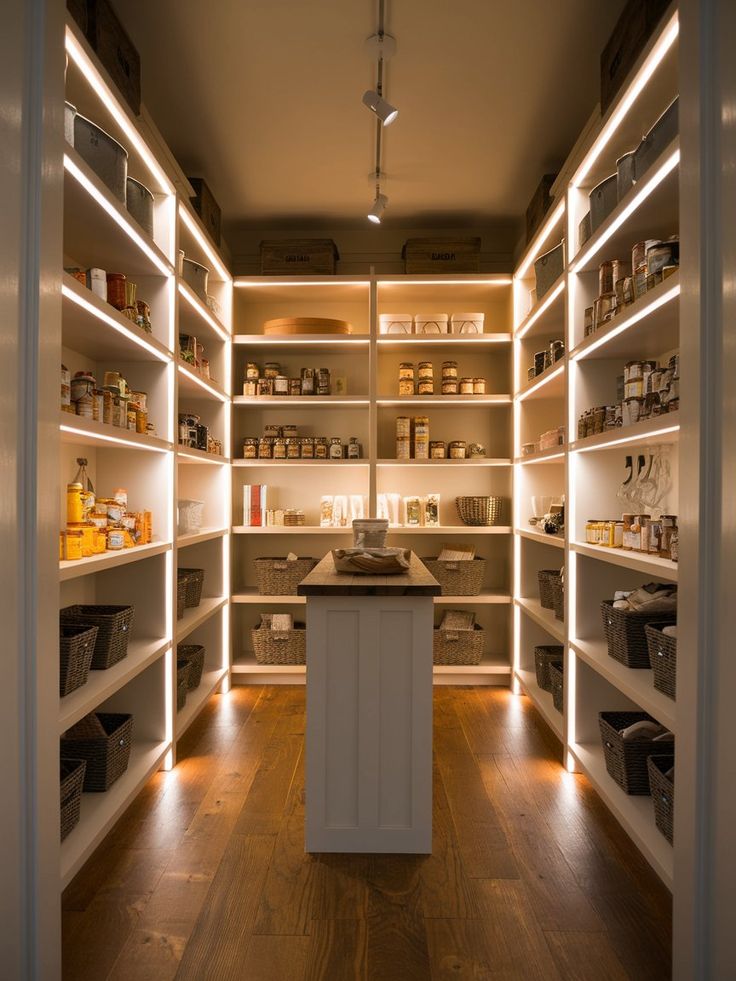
(379, 206)
(382, 109)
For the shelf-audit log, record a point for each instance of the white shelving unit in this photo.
(588, 471)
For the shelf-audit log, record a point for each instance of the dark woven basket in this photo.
(194, 654)
(625, 636)
(545, 578)
(626, 761)
(194, 580)
(76, 649)
(558, 596)
(543, 654)
(114, 624)
(557, 682)
(106, 756)
(662, 658)
(663, 794)
(70, 793)
(181, 598)
(182, 682)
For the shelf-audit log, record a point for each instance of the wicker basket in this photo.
(457, 646)
(279, 576)
(624, 632)
(461, 578)
(557, 683)
(544, 654)
(479, 511)
(626, 760)
(114, 625)
(181, 598)
(193, 581)
(545, 578)
(280, 646)
(194, 654)
(663, 794)
(558, 596)
(76, 649)
(182, 682)
(70, 793)
(662, 658)
(106, 756)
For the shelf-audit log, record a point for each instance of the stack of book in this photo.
(255, 505)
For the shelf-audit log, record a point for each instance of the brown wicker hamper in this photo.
(625, 634)
(463, 577)
(107, 756)
(114, 624)
(662, 651)
(193, 582)
(663, 793)
(280, 646)
(458, 646)
(76, 650)
(70, 794)
(279, 576)
(182, 682)
(557, 684)
(544, 654)
(194, 654)
(479, 511)
(181, 598)
(626, 760)
(545, 580)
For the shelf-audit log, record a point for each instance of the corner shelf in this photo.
(648, 565)
(197, 386)
(196, 318)
(88, 432)
(547, 315)
(544, 618)
(556, 541)
(188, 455)
(550, 384)
(660, 429)
(203, 535)
(72, 569)
(195, 616)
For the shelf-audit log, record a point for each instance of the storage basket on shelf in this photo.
(103, 740)
(190, 516)
(557, 683)
(545, 578)
(194, 655)
(625, 634)
(461, 577)
(662, 658)
(70, 793)
(544, 654)
(457, 647)
(280, 576)
(479, 511)
(626, 759)
(114, 625)
(181, 597)
(280, 646)
(182, 682)
(557, 583)
(662, 789)
(193, 583)
(76, 649)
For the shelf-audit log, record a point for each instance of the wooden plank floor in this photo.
(205, 877)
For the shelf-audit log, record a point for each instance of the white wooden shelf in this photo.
(195, 616)
(542, 701)
(102, 684)
(547, 316)
(203, 535)
(100, 811)
(196, 386)
(444, 400)
(554, 455)
(96, 329)
(648, 565)
(492, 670)
(474, 462)
(546, 619)
(410, 342)
(637, 684)
(252, 464)
(72, 569)
(550, 384)
(187, 455)
(197, 699)
(302, 401)
(490, 597)
(88, 432)
(450, 530)
(98, 230)
(556, 541)
(651, 432)
(196, 318)
(284, 530)
(302, 343)
(635, 814)
(251, 596)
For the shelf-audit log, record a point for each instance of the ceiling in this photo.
(262, 99)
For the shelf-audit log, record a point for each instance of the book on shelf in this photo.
(255, 505)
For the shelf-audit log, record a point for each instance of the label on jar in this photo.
(115, 539)
(406, 386)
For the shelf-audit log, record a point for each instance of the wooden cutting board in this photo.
(307, 325)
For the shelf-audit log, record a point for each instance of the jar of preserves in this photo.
(437, 450)
(290, 431)
(450, 386)
(271, 369)
(336, 451)
(457, 449)
(73, 544)
(466, 386)
(279, 448)
(250, 448)
(265, 386)
(74, 505)
(115, 539)
(403, 427)
(425, 386)
(281, 385)
(265, 448)
(449, 369)
(425, 370)
(353, 448)
(406, 386)
(307, 447)
(252, 371)
(406, 371)
(250, 387)
(320, 448)
(479, 386)
(293, 450)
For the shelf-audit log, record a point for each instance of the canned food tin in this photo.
(588, 321)
(603, 309)
(621, 269)
(639, 253)
(605, 277)
(663, 254)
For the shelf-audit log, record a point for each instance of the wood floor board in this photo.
(457, 950)
(271, 957)
(581, 956)
(340, 887)
(337, 950)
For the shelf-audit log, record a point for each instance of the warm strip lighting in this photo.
(113, 212)
(112, 439)
(669, 165)
(203, 243)
(112, 322)
(535, 249)
(245, 283)
(444, 463)
(266, 400)
(541, 459)
(660, 49)
(430, 400)
(217, 461)
(203, 312)
(500, 281)
(201, 382)
(80, 59)
(446, 339)
(299, 463)
(516, 652)
(640, 438)
(628, 322)
(275, 340)
(542, 381)
(542, 309)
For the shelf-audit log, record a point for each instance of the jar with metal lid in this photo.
(116, 290)
(250, 387)
(353, 448)
(324, 386)
(336, 451)
(295, 386)
(290, 431)
(265, 448)
(281, 385)
(73, 544)
(307, 382)
(132, 421)
(449, 369)
(406, 386)
(421, 437)
(437, 450)
(425, 370)
(425, 386)
(403, 426)
(450, 386)
(457, 449)
(320, 448)
(406, 371)
(265, 386)
(252, 371)
(250, 448)
(307, 447)
(293, 450)
(479, 386)
(271, 369)
(272, 431)
(115, 539)
(279, 448)
(403, 448)
(82, 384)
(74, 503)
(466, 386)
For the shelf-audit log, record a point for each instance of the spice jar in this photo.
(295, 386)
(265, 386)
(281, 385)
(307, 448)
(449, 369)
(250, 448)
(307, 381)
(479, 386)
(292, 448)
(320, 448)
(252, 371)
(457, 449)
(271, 369)
(466, 386)
(265, 448)
(353, 448)
(279, 448)
(250, 387)
(116, 290)
(450, 386)
(336, 448)
(115, 539)
(437, 450)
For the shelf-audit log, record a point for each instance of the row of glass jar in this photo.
(301, 448)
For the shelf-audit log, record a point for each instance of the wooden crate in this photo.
(206, 207)
(299, 256)
(633, 29)
(425, 256)
(115, 50)
(539, 205)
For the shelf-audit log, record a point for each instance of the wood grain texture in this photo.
(325, 580)
(206, 877)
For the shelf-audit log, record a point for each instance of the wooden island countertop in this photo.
(324, 580)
